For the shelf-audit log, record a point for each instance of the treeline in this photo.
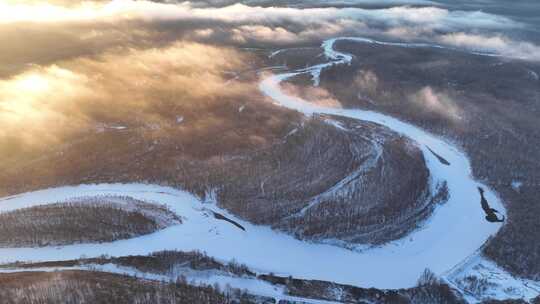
(171, 263)
(93, 220)
(174, 263)
(74, 287)
(517, 247)
(428, 290)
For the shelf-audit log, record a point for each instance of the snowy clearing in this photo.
(480, 279)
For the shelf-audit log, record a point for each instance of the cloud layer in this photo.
(130, 88)
(72, 64)
(127, 21)
(429, 100)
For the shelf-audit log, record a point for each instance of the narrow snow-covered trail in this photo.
(453, 232)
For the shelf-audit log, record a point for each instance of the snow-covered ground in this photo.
(480, 279)
(260, 248)
(193, 277)
(457, 228)
(454, 231)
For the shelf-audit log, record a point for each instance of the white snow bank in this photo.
(480, 279)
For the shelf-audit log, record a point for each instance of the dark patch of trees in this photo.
(429, 290)
(168, 262)
(97, 219)
(73, 287)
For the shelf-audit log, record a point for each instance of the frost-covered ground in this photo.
(454, 231)
(480, 279)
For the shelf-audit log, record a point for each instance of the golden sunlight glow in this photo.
(41, 11)
(88, 11)
(32, 83)
(53, 100)
(24, 97)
